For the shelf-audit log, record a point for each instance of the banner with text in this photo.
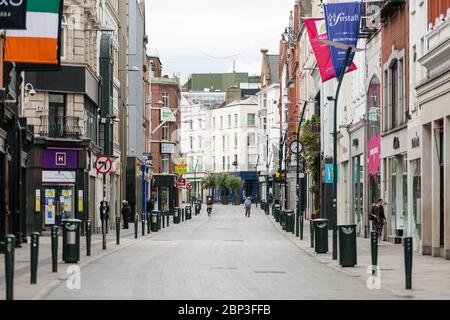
(343, 21)
(317, 30)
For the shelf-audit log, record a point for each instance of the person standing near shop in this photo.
(125, 214)
(104, 214)
(378, 218)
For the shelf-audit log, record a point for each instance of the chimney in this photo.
(233, 94)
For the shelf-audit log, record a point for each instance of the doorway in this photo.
(58, 204)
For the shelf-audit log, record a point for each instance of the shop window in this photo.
(165, 163)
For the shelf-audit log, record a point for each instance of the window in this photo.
(165, 99)
(200, 164)
(229, 121)
(236, 163)
(90, 121)
(223, 163)
(236, 121)
(394, 111)
(228, 163)
(191, 143)
(221, 123)
(228, 142)
(223, 143)
(251, 139)
(214, 163)
(214, 143)
(235, 140)
(165, 163)
(200, 143)
(191, 164)
(394, 95)
(165, 129)
(56, 115)
(214, 122)
(251, 120)
(252, 158)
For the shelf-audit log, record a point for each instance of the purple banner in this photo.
(343, 22)
(60, 159)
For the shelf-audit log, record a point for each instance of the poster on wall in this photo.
(38, 201)
(50, 207)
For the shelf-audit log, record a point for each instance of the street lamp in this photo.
(349, 50)
(257, 182)
(195, 182)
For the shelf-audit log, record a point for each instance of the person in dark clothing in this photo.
(125, 214)
(378, 218)
(104, 214)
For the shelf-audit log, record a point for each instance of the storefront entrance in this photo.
(58, 204)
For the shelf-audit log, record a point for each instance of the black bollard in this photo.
(34, 256)
(118, 230)
(311, 231)
(143, 224)
(88, 237)
(408, 244)
(54, 248)
(182, 214)
(301, 225)
(104, 234)
(10, 245)
(148, 223)
(168, 218)
(136, 221)
(374, 250)
(297, 223)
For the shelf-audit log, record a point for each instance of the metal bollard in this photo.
(34, 256)
(168, 218)
(311, 231)
(148, 223)
(374, 250)
(143, 224)
(302, 219)
(297, 222)
(408, 244)
(118, 230)
(136, 221)
(183, 211)
(54, 248)
(104, 226)
(88, 237)
(10, 245)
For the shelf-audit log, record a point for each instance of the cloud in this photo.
(205, 36)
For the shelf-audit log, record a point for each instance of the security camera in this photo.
(29, 87)
(32, 92)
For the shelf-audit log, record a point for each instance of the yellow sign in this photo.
(80, 200)
(38, 201)
(181, 165)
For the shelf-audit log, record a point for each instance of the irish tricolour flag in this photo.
(38, 44)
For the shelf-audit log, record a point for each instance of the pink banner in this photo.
(374, 149)
(317, 30)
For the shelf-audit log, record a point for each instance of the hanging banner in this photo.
(317, 30)
(373, 147)
(343, 21)
(39, 44)
(13, 14)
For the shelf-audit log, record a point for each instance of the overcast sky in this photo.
(191, 35)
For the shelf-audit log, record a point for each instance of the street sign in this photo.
(296, 147)
(181, 182)
(103, 165)
(13, 14)
(189, 186)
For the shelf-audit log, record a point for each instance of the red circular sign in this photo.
(103, 165)
(189, 186)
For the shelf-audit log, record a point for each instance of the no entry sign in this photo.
(189, 186)
(103, 165)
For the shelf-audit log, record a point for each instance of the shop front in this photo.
(57, 189)
(395, 183)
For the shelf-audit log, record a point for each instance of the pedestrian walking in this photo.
(248, 207)
(270, 199)
(378, 218)
(125, 214)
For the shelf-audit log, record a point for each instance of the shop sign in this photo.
(374, 155)
(181, 165)
(167, 115)
(329, 176)
(59, 176)
(13, 14)
(60, 159)
(167, 148)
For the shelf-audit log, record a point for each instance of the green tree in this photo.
(210, 182)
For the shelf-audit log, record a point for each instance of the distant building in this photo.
(218, 82)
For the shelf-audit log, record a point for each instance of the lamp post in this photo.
(349, 50)
(195, 182)
(257, 182)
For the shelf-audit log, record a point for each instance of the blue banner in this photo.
(329, 176)
(343, 22)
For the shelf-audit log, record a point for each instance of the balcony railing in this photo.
(60, 127)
